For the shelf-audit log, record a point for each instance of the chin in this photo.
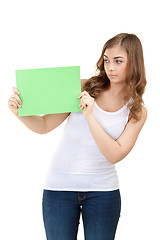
(116, 81)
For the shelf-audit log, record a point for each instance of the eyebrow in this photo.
(115, 57)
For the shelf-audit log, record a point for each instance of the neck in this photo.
(117, 90)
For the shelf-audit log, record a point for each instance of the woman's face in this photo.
(115, 63)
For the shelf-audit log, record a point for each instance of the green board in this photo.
(49, 90)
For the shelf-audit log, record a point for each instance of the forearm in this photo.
(107, 145)
(34, 123)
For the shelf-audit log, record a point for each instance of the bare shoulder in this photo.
(83, 81)
(144, 112)
(142, 119)
(144, 115)
(130, 134)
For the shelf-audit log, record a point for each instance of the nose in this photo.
(111, 66)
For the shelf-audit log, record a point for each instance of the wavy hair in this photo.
(135, 73)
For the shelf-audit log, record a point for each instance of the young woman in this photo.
(82, 177)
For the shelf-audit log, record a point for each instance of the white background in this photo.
(43, 34)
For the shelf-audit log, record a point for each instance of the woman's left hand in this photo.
(86, 103)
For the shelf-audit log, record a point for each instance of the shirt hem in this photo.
(81, 189)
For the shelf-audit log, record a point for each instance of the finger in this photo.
(83, 106)
(17, 98)
(13, 101)
(12, 98)
(15, 90)
(83, 93)
(84, 98)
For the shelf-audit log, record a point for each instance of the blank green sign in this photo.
(49, 90)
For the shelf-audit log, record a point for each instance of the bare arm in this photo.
(38, 124)
(116, 150)
(34, 123)
(43, 124)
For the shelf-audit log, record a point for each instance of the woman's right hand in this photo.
(14, 101)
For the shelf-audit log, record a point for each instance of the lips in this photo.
(112, 75)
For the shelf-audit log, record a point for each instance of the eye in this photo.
(106, 60)
(118, 61)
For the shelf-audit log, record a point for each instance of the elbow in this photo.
(41, 132)
(114, 158)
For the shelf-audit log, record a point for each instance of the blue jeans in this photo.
(100, 214)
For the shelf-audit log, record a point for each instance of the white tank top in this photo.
(78, 164)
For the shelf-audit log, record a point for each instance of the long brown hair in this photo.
(135, 74)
